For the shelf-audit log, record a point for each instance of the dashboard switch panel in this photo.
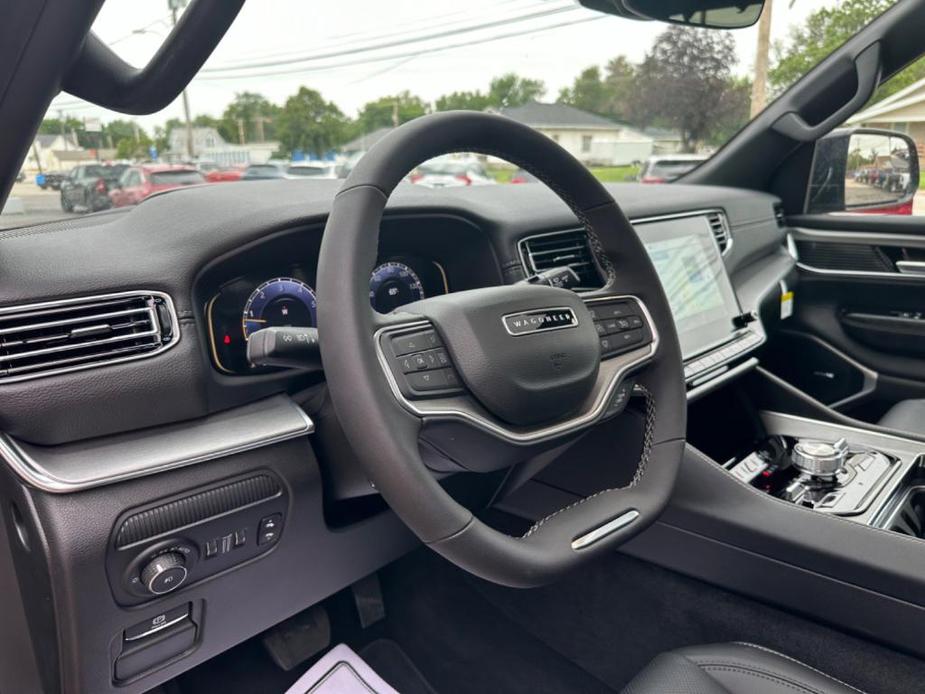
(193, 536)
(421, 366)
(620, 326)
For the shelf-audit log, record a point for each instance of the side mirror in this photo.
(863, 170)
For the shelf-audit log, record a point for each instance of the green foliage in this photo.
(610, 95)
(456, 101)
(52, 126)
(247, 111)
(512, 90)
(685, 82)
(588, 92)
(309, 123)
(388, 111)
(822, 32)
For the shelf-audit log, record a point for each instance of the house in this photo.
(54, 152)
(592, 139)
(665, 140)
(209, 145)
(903, 111)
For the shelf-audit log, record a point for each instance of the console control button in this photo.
(269, 529)
(157, 623)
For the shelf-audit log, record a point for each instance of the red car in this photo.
(220, 175)
(138, 182)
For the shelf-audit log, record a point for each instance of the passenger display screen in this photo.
(691, 268)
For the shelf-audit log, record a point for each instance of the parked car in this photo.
(264, 172)
(138, 182)
(87, 186)
(222, 175)
(447, 172)
(669, 167)
(50, 179)
(312, 169)
(524, 176)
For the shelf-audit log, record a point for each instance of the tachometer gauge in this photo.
(280, 302)
(392, 285)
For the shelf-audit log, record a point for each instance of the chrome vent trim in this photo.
(719, 225)
(780, 215)
(57, 337)
(569, 247)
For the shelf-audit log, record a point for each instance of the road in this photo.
(40, 206)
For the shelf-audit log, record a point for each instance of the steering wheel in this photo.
(470, 379)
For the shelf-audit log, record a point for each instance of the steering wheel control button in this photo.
(619, 326)
(415, 342)
(270, 529)
(164, 573)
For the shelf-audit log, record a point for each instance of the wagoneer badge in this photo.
(540, 320)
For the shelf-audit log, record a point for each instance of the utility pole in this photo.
(395, 114)
(762, 57)
(174, 6)
(241, 137)
(258, 121)
(63, 128)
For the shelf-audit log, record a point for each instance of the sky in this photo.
(364, 49)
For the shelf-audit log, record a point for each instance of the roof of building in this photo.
(365, 141)
(662, 133)
(912, 95)
(46, 140)
(540, 115)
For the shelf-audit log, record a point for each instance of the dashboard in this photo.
(270, 286)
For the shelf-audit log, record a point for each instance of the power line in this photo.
(398, 56)
(393, 43)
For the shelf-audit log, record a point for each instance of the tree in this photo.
(823, 31)
(512, 90)
(389, 111)
(251, 114)
(684, 81)
(455, 101)
(75, 126)
(588, 92)
(309, 123)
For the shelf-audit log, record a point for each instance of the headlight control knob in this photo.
(164, 573)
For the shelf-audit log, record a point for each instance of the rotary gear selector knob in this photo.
(820, 458)
(164, 573)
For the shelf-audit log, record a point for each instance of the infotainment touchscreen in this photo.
(691, 268)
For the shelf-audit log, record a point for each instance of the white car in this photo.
(312, 169)
(445, 172)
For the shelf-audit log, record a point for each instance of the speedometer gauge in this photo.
(392, 285)
(280, 302)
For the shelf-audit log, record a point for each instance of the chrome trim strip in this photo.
(64, 303)
(717, 381)
(622, 364)
(87, 464)
(863, 238)
(159, 627)
(604, 530)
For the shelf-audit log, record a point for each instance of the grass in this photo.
(607, 174)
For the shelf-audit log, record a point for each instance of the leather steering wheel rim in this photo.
(384, 435)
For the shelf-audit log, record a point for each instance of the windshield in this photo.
(615, 93)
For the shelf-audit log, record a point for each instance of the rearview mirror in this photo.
(708, 14)
(863, 170)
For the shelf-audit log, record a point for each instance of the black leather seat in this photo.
(732, 668)
(906, 415)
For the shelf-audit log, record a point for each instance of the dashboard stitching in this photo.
(637, 476)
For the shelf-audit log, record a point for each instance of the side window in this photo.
(585, 144)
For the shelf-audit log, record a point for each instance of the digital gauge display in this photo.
(280, 302)
(392, 285)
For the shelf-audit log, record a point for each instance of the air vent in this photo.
(780, 215)
(55, 337)
(561, 248)
(720, 227)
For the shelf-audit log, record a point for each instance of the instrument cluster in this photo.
(250, 303)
